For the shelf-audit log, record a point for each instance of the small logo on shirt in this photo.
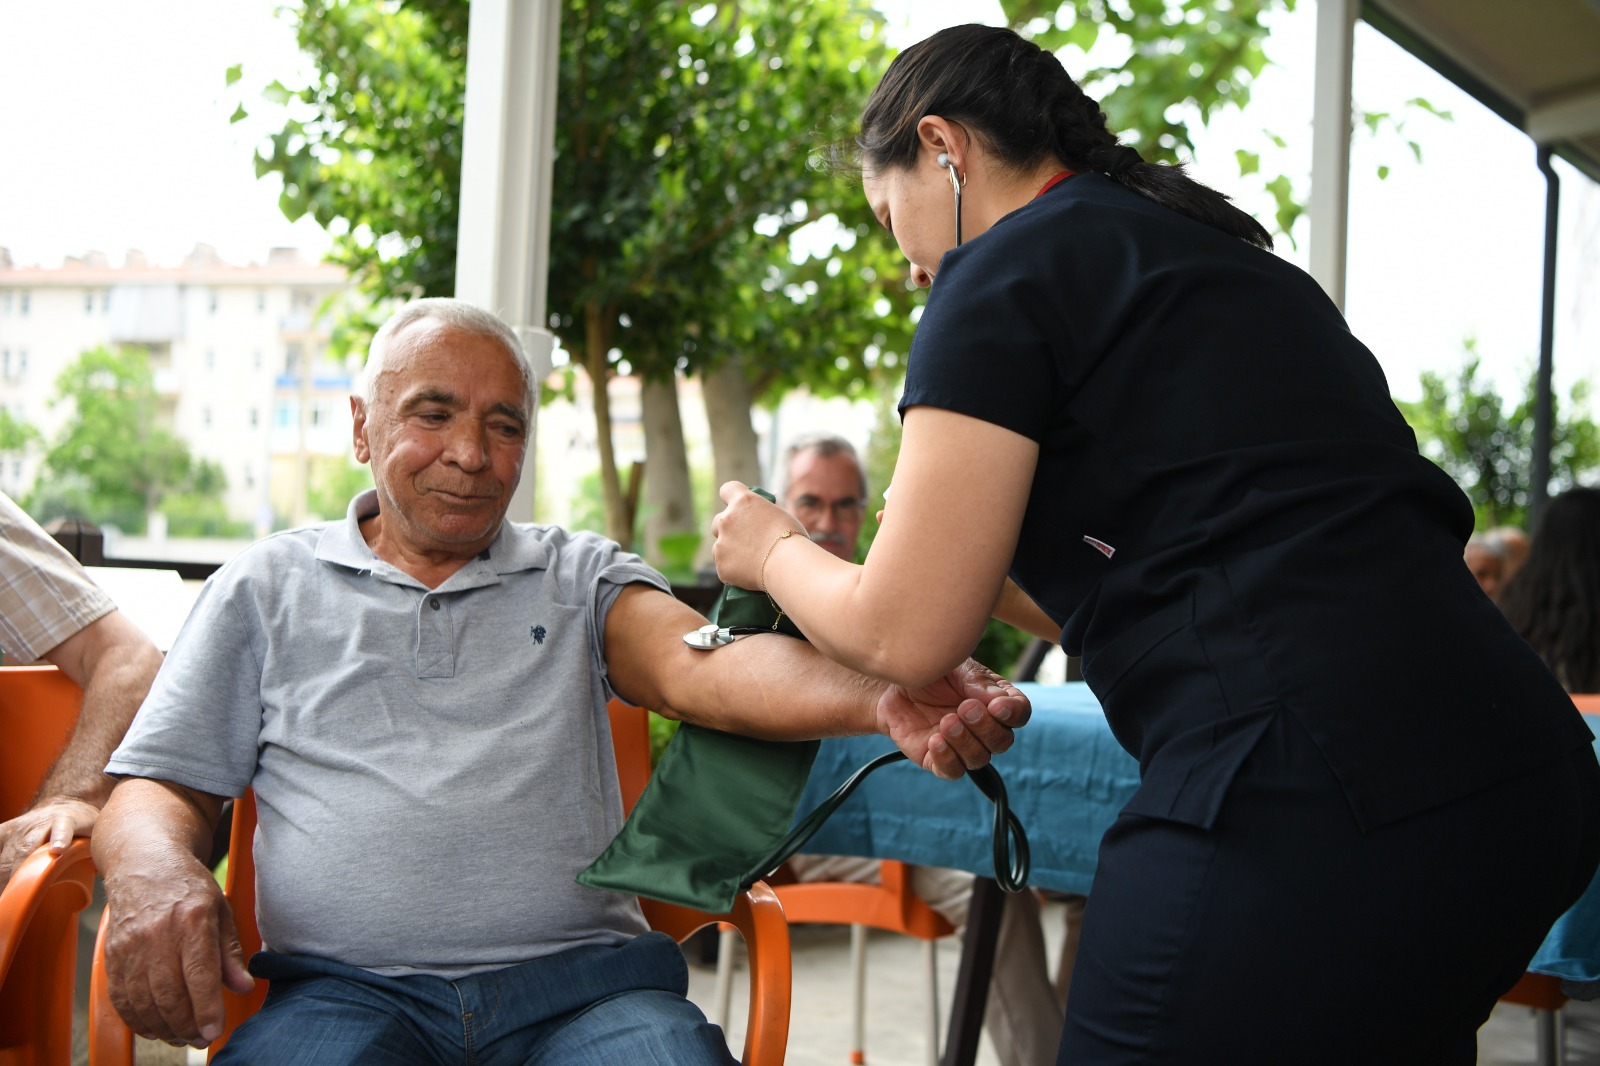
(1100, 546)
(538, 634)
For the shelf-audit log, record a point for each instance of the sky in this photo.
(116, 136)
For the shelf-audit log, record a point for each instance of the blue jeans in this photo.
(587, 1006)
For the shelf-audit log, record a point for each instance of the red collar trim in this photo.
(1054, 181)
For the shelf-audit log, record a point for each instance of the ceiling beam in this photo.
(1569, 115)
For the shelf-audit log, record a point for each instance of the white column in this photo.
(502, 249)
(1330, 145)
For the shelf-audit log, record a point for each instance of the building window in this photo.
(25, 297)
(261, 301)
(258, 359)
(105, 301)
(5, 362)
(213, 299)
(284, 415)
(211, 359)
(22, 361)
(255, 418)
(205, 416)
(88, 303)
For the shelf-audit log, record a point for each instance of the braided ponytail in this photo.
(1025, 106)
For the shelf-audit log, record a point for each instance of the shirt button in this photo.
(434, 603)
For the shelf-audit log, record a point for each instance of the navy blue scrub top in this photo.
(1229, 518)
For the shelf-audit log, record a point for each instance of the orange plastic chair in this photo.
(890, 905)
(757, 914)
(40, 904)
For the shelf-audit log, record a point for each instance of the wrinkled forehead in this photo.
(429, 355)
(828, 477)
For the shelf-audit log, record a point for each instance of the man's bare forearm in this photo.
(149, 821)
(114, 662)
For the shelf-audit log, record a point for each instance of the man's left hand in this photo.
(956, 723)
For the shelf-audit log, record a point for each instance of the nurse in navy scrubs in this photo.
(1364, 799)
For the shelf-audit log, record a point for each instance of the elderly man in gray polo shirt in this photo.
(417, 696)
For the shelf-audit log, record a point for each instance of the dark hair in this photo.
(1553, 599)
(1023, 105)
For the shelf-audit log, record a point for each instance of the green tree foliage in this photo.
(112, 462)
(1180, 62)
(1462, 424)
(15, 434)
(334, 483)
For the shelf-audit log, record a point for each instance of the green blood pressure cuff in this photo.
(718, 813)
(716, 804)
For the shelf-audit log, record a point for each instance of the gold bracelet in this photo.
(761, 576)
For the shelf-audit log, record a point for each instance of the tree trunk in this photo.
(734, 446)
(668, 499)
(597, 363)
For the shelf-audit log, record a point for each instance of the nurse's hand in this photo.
(744, 532)
(956, 723)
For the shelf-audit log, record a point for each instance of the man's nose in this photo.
(468, 446)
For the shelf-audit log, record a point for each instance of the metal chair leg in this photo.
(721, 1004)
(858, 1001)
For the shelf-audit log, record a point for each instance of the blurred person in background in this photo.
(1554, 599)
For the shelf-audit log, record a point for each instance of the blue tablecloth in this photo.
(1572, 948)
(1065, 776)
(1067, 779)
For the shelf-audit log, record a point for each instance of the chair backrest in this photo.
(630, 739)
(38, 708)
(40, 904)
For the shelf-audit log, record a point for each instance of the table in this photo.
(1571, 950)
(1066, 778)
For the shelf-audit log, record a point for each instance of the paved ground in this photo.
(819, 1031)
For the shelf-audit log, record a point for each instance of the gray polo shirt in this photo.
(432, 767)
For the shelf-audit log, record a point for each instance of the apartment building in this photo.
(240, 355)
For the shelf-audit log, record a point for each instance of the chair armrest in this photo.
(758, 916)
(39, 911)
(34, 885)
(110, 1039)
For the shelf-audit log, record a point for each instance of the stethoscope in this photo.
(708, 637)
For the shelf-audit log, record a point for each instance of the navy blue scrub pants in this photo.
(1284, 936)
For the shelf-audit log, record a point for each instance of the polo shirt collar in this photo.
(515, 548)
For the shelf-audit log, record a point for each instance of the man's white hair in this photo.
(825, 445)
(457, 315)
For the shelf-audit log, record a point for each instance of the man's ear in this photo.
(358, 419)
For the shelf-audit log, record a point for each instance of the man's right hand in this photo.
(170, 947)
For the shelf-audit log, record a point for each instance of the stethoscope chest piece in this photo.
(707, 637)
